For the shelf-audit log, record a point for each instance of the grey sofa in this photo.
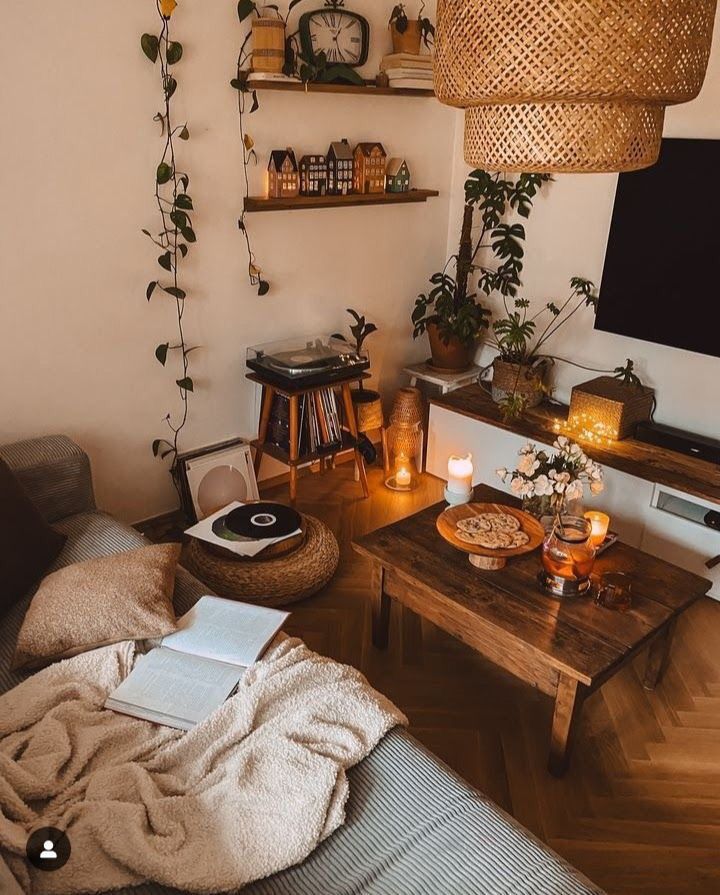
(413, 826)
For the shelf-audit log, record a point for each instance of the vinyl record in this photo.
(263, 520)
(222, 531)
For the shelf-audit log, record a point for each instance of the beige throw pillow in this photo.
(126, 596)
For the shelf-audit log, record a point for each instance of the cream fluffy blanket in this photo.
(248, 792)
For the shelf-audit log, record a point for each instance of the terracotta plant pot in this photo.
(519, 379)
(453, 355)
(409, 40)
(268, 45)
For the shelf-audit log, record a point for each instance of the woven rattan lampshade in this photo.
(552, 85)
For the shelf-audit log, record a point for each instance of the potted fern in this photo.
(449, 313)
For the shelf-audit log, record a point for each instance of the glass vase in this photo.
(568, 556)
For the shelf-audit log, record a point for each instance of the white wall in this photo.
(567, 235)
(79, 151)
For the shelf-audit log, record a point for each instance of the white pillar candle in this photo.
(459, 484)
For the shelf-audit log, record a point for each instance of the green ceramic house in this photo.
(397, 176)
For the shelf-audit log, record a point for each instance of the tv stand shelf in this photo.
(646, 461)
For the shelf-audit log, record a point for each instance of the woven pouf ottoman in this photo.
(275, 581)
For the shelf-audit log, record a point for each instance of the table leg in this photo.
(658, 657)
(268, 393)
(352, 426)
(568, 704)
(380, 608)
(294, 445)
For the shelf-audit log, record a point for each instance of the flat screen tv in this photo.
(660, 280)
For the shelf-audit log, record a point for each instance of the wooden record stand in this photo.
(292, 458)
(486, 557)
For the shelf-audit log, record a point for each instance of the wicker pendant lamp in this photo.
(569, 85)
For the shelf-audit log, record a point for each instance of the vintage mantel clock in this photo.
(343, 36)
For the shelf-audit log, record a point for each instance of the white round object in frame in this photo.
(219, 487)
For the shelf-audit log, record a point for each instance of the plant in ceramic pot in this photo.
(548, 482)
(519, 369)
(408, 34)
(451, 315)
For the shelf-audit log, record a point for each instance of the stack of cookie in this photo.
(493, 531)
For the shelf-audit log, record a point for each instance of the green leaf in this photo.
(165, 261)
(189, 234)
(263, 287)
(186, 384)
(239, 84)
(170, 86)
(161, 352)
(255, 104)
(167, 453)
(179, 218)
(182, 200)
(182, 248)
(175, 291)
(156, 446)
(184, 133)
(164, 172)
(150, 289)
(174, 52)
(184, 180)
(150, 46)
(245, 8)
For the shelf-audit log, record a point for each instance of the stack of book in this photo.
(320, 424)
(408, 70)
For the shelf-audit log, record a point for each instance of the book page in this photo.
(226, 630)
(166, 685)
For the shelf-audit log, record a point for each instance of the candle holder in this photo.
(459, 487)
(599, 523)
(404, 442)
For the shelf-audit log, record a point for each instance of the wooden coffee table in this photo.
(567, 649)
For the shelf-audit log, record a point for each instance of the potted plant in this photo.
(452, 317)
(268, 34)
(519, 368)
(408, 34)
(367, 403)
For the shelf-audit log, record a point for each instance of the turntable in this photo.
(308, 361)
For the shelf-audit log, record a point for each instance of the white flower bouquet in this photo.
(547, 482)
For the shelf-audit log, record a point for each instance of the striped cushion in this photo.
(55, 472)
(413, 827)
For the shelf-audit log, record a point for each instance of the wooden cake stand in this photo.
(485, 557)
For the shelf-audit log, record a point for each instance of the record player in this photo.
(306, 361)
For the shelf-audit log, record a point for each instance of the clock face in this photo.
(342, 36)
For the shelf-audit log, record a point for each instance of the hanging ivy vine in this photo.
(176, 233)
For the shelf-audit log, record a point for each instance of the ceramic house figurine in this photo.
(313, 175)
(369, 169)
(283, 180)
(339, 169)
(397, 176)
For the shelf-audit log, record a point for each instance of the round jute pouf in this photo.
(273, 582)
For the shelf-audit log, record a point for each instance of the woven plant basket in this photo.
(518, 379)
(408, 407)
(275, 582)
(558, 86)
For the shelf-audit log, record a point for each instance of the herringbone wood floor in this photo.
(639, 809)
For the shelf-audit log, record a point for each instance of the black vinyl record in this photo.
(263, 520)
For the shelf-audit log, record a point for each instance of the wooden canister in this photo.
(268, 37)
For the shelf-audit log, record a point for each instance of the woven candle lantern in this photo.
(580, 87)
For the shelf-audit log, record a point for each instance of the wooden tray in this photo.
(485, 557)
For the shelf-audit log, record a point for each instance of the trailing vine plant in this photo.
(176, 232)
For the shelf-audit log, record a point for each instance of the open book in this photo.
(195, 669)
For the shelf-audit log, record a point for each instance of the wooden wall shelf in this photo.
(368, 90)
(646, 461)
(260, 203)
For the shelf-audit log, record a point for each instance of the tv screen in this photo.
(659, 282)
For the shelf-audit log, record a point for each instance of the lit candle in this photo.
(459, 485)
(599, 522)
(402, 476)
